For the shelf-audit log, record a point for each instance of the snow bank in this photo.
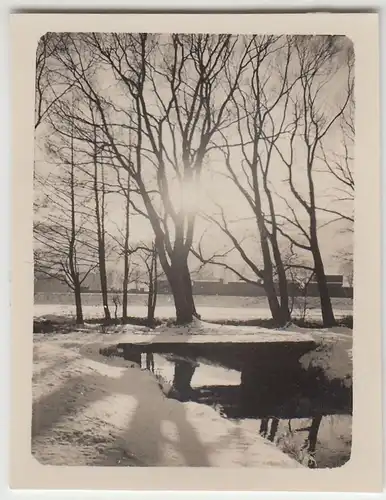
(202, 332)
(209, 313)
(341, 332)
(333, 354)
(334, 358)
(93, 410)
(196, 332)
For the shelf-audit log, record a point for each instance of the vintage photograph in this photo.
(193, 250)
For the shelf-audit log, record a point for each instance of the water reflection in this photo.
(264, 428)
(317, 440)
(310, 426)
(150, 361)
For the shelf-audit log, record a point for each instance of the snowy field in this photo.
(210, 307)
(208, 313)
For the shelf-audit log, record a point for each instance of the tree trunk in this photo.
(152, 294)
(150, 307)
(184, 309)
(278, 317)
(150, 361)
(264, 427)
(182, 294)
(104, 290)
(177, 273)
(178, 276)
(99, 214)
(313, 438)
(274, 427)
(125, 286)
(151, 301)
(285, 314)
(72, 246)
(126, 252)
(320, 275)
(280, 269)
(189, 291)
(269, 285)
(78, 304)
(183, 374)
(155, 278)
(313, 433)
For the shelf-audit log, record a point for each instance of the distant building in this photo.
(201, 287)
(49, 285)
(232, 288)
(334, 285)
(210, 287)
(332, 279)
(244, 289)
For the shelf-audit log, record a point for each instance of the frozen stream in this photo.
(334, 436)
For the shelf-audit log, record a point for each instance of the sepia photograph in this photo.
(194, 201)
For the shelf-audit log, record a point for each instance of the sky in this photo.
(216, 188)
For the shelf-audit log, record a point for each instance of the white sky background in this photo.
(215, 188)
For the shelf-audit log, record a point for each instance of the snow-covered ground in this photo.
(199, 331)
(167, 311)
(93, 410)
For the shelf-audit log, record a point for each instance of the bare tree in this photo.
(260, 105)
(123, 187)
(148, 256)
(346, 259)
(55, 105)
(123, 248)
(173, 132)
(64, 121)
(63, 251)
(49, 89)
(180, 99)
(99, 189)
(340, 166)
(299, 276)
(126, 248)
(317, 60)
(45, 96)
(117, 302)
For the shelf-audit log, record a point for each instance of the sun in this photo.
(187, 196)
(192, 197)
